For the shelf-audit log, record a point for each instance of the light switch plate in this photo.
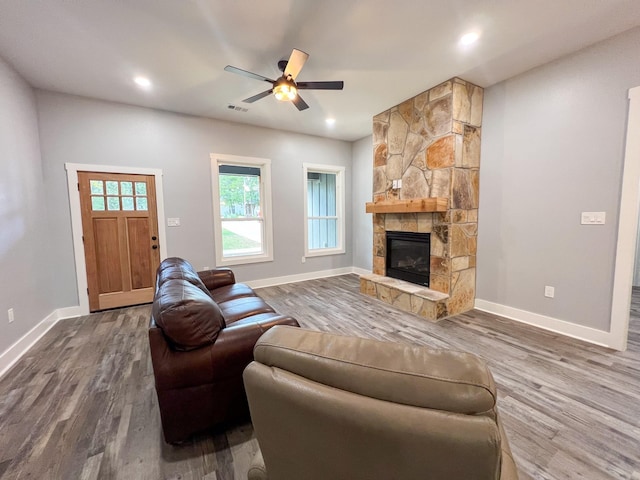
(173, 222)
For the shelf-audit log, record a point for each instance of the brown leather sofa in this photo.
(326, 406)
(202, 331)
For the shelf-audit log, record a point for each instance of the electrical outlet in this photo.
(10, 315)
(304, 259)
(549, 291)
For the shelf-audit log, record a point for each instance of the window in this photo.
(241, 209)
(324, 209)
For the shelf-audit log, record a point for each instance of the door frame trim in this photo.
(76, 217)
(627, 228)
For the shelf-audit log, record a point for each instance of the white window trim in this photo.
(265, 189)
(340, 193)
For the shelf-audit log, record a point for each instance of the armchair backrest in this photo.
(329, 406)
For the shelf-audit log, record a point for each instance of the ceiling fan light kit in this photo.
(286, 88)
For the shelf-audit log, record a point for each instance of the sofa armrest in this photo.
(217, 277)
(234, 345)
(178, 369)
(407, 374)
(227, 357)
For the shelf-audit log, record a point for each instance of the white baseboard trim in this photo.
(562, 327)
(300, 277)
(361, 271)
(12, 354)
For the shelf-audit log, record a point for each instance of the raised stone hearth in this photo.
(406, 296)
(431, 143)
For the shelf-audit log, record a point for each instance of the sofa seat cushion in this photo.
(239, 308)
(188, 317)
(231, 292)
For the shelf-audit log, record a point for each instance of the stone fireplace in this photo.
(426, 180)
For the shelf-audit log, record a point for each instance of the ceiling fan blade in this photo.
(295, 63)
(244, 73)
(258, 96)
(300, 103)
(320, 85)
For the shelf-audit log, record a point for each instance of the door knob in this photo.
(154, 247)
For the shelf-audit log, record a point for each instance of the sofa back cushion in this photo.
(178, 268)
(188, 316)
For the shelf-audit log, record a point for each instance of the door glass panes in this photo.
(113, 195)
(112, 188)
(113, 203)
(97, 187)
(97, 203)
(126, 188)
(127, 203)
(141, 203)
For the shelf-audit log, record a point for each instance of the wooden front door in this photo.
(120, 234)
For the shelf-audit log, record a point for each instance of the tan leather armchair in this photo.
(326, 406)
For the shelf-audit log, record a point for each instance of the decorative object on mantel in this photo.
(414, 205)
(426, 163)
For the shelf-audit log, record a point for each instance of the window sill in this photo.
(324, 252)
(230, 261)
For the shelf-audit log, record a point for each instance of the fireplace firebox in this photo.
(408, 256)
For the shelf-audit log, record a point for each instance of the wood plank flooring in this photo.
(81, 404)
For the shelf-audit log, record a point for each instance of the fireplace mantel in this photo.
(415, 205)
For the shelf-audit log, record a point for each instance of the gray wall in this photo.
(553, 146)
(80, 130)
(25, 267)
(362, 188)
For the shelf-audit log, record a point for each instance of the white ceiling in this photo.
(385, 51)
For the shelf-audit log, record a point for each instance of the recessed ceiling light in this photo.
(469, 38)
(143, 82)
(330, 121)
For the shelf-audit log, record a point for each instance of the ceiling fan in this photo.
(286, 88)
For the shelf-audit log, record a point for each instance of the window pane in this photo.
(113, 203)
(239, 196)
(112, 188)
(321, 194)
(126, 188)
(141, 188)
(97, 203)
(127, 203)
(97, 188)
(323, 233)
(141, 203)
(241, 237)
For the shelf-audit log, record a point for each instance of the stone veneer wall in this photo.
(432, 143)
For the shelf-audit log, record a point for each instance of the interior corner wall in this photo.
(362, 155)
(25, 264)
(86, 131)
(552, 147)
